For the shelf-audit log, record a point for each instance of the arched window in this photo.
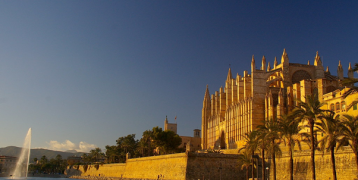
(332, 107)
(338, 107)
(343, 106)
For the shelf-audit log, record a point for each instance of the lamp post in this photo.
(267, 172)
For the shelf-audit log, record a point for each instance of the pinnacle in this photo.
(229, 75)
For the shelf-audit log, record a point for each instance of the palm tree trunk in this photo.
(333, 163)
(291, 160)
(311, 123)
(253, 169)
(274, 165)
(356, 154)
(263, 163)
(247, 172)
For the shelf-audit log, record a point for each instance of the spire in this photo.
(308, 63)
(207, 100)
(284, 58)
(327, 70)
(275, 63)
(268, 67)
(207, 94)
(229, 76)
(317, 60)
(263, 63)
(340, 70)
(350, 71)
(253, 66)
(166, 119)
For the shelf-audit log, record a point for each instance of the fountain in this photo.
(22, 164)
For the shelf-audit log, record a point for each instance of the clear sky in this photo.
(82, 74)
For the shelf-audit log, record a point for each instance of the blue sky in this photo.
(82, 74)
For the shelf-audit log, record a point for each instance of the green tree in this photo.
(43, 159)
(245, 161)
(251, 146)
(86, 158)
(146, 140)
(349, 82)
(126, 144)
(167, 141)
(111, 153)
(289, 130)
(268, 138)
(96, 154)
(309, 111)
(330, 127)
(349, 134)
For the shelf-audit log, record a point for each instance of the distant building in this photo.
(170, 126)
(193, 142)
(7, 163)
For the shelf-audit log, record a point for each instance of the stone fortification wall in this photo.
(106, 170)
(194, 166)
(182, 166)
(213, 166)
(345, 165)
(171, 166)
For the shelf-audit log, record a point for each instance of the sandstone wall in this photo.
(106, 170)
(213, 166)
(171, 166)
(181, 166)
(345, 166)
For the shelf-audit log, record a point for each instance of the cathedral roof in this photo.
(328, 76)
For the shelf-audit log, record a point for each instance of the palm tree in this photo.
(309, 111)
(111, 153)
(329, 126)
(251, 146)
(267, 139)
(96, 153)
(288, 131)
(245, 160)
(349, 132)
(147, 138)
(350, 82)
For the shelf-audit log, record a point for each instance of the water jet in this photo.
(22, 164)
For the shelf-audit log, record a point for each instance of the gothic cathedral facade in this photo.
(267, 92)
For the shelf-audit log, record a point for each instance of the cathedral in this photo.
(268, 92)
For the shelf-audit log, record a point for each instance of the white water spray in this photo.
(22, 164)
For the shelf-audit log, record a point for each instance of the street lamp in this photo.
(267, 172)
